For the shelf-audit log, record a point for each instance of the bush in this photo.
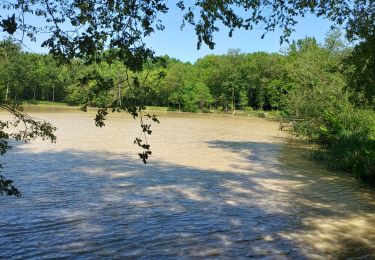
(190, 106)
(274, 114)
(323, 113)
(352, 146)
(346, 135)
(262, 114)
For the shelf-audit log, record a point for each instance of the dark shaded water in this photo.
(215, 187)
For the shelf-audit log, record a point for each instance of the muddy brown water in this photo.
(215, 187)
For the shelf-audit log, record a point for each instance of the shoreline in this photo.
(270, 115)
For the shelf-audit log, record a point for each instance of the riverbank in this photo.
(43, 103)
(273, 115)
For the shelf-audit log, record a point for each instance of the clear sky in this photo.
(182, 44)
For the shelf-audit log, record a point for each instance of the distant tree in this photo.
(10, 61)
(243, 100)
(196, 96)
(316, 83)
(212, 72)
(334, 41)
(178, 75)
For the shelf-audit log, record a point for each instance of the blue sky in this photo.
(182, 44)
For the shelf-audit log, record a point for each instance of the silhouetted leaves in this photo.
(153, 118)
(100, 117)
(9, 25)
(6, 187)
(144, 156)
(25, 128)
(146, 149)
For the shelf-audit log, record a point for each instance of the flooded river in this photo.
(215, 187)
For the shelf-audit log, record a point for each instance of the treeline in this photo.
(327, 89)
(232, 81)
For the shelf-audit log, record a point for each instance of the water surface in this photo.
(215, 187)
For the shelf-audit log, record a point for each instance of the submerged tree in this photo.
(113, 31)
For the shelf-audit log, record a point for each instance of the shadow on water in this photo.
(94, 204)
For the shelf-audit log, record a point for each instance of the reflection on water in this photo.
(216, 186)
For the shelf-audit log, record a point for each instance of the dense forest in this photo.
(323, 88)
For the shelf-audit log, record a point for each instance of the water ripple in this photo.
(230, 193)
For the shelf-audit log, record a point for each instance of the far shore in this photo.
(274, 115)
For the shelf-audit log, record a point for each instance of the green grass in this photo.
(43, 103)
(156, 108)
(252, 113)
(273, 115)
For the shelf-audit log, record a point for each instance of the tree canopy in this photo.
(87, 29)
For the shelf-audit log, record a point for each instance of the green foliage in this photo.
(243, 100)
(6, 188)
(361, 73)
(349, 143)
(196, 96)
(29, 76)
(323, 113)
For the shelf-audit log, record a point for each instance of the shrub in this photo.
(346, 135)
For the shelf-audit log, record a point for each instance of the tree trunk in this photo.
(233, 99)
(7, 91)
(34, 93)
(119, 94)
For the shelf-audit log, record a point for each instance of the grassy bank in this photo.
(274, 114)
(345, 141)
(351, 145)
(248, 113)
(43, 103)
